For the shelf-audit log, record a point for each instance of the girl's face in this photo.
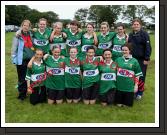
(73, 27)
(120, 30)
(38, 55)
(107, 55)
(56, 52)
(91, 53)
(42, 25)
(89, 28)
(73, 53)
(125, 51)
(104, 29)
(136, 26)
(25, 26)
(58, 28)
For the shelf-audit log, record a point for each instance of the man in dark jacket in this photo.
(141, 51)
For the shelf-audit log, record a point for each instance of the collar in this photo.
(91, 60)
(55, 59)
(41, 32)
(120, 37)
(73, 59)
(127, 58)
(72, 32)
(105, 34)
(107, 63)
(55, 36)
(38, 63)
(88, 36)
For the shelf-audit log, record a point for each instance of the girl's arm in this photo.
(95, 39)
(30, 62)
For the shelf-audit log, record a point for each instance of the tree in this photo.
(100, 13)
(81, 15)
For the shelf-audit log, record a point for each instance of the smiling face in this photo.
(120, 30)
(73, 52)
(125, 51)
(58, 28)
(104, 29)
(56, 52)
(39, 54)
(25, 26)
(90, 53)
(89, 28)
(73, 27)
(107, 55)
(42, 25)
(136, 26)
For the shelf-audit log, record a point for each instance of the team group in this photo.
(75, 64)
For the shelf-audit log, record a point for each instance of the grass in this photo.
(23, 112)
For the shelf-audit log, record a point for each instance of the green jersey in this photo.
(90, 72)
(126, 72)
(73, 40)
(117, 44)
(86, 42)
(61, 42)
(72, 73)
(104, 42)
(36, 74)
(108, 77)
(55, 67)
(41, 40)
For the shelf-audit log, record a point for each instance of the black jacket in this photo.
(141, 45)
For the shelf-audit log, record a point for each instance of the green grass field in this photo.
(23, 112)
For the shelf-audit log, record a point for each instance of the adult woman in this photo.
(141, 51)
(55, 82)
(35, 79)
(128, 72)
(119, 40)
(73, 37)
(73, 77)
(88, 39)
(90, 82)
(41, 36)
(22, 51)
(58, 38)
(108, 79)
(104, 38)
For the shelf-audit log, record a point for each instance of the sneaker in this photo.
(138, 97)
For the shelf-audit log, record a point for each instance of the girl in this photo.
(73, 77)
(55, 82)
(36, 74)
(41, 36)
(58, 38)
(73, 37)
(104, 39)
(119, 40)
(90, 76)
(22, 52)
(108, 79)
(88, 39)
(128, 69)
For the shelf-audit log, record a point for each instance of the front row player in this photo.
(90, 82)
(107, 70)
(35, 79)
(128, 72)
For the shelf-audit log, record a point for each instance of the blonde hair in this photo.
(105, 23)
(42, 19)
(57, 23)
(28, 21)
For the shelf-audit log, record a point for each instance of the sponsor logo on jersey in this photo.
(89, 73)
(85, 47)
(73, 42)
(117, 48)
(125, 73)
(73, 70)
(40, 42)
(56, 71)
(40, 77)
(104, 45)
(108, 76)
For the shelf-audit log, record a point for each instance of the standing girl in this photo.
(128, 73)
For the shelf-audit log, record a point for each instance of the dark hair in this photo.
(90, 47)
(54, 47)
(90, 24)
(75, 22)
(136, 20)
(38, 49)
(107, 50)
(74, 48)
(120, 24)
(129, 46)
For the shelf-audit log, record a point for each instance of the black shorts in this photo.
(38, 95)
(55, 94)
(90, 93)
(73, 93)
(125, 98)
(108, 97)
